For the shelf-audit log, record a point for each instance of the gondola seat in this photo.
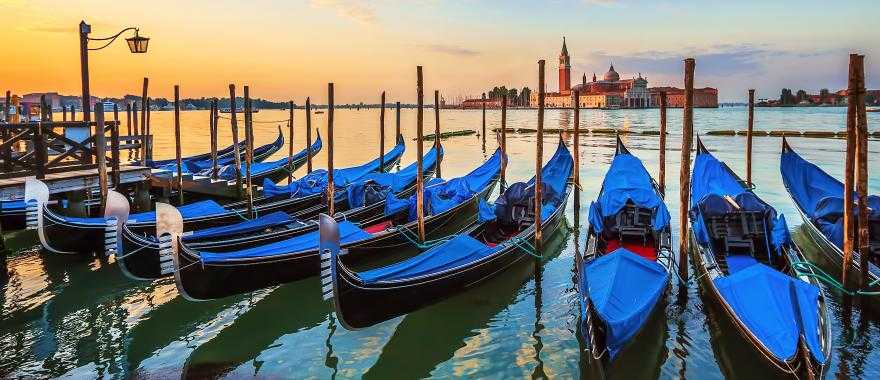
(647, 250)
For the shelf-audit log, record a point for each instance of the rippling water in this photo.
(79, 317)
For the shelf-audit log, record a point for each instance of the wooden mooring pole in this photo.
(382, 133)
(213, 124)
(749, 136)
(308, 135)
(662, 174)
(63, 113)
(504, 144)
(100, 153)
(149, 130)
(8, 103)
(685, 174)
(576, 174)
(142, 140)
(484, 121)
(849, 169)
(290, 144)
(114, 146)
(177, 152)
(248, 151)
(331, 188)
(143, 119)
(128, 125)
(862, 171)
(396, 122)
(233, 116)
(420, 181)
(438, 159)
(539, 156)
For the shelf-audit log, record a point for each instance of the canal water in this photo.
(80, 318)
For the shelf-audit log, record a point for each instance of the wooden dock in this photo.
(74, 180)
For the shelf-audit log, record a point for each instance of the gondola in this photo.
(450, 206)
(819, 200)
(138, 254)
(225, 164)
(746, 262)
(225, 156)
(73, 235)
(499, 239)
(624, 271)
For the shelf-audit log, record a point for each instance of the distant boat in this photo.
(108, 105)
(318, 112)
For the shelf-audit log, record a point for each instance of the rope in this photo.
(808, 269)
(413, 239)
(526, 246)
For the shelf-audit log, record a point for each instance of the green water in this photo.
(79, 317)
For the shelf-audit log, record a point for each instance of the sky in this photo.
(287, 50)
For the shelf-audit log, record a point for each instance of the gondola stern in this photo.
(116, 213)
(36, 196)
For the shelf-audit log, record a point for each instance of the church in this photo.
(610, 92)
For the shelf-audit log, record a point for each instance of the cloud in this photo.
(604, 3)
(458, 51)
(53, 29)
(355, 10)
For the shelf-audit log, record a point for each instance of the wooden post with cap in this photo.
(382, 133)
(236, 149)
(331, 188)
(290, 144)
(685, 173)
(861, 175)
(749, 133)
(177, 153)
(438, 158)
(539, 156)
(662, 179)
(420, 181)
(849, 169)
(308, 135)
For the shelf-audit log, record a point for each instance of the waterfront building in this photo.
(706, 97)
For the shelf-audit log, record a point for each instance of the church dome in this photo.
(611, 75)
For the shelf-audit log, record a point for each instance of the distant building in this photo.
(706, 97)
(478, 103)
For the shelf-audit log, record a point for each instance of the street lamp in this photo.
(136, 44)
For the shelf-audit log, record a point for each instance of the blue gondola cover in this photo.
(777, 308)
(265, 221)
(316, 181)
(459, 251)
(187, 211)
(348, 232)
(627, 180)
(623, 287)
(392, 182)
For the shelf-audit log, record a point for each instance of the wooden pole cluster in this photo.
(100, 152)
(331, 188)
(382, 133)
(420, 181)
(233, 116)
(539, 155)
(438, 173)
(504, 143)
(308, 135)
(749, 136)
(177, 152)
(144, 107)
(249, 150)
(290, 144)
(662, 178)
(685, 174)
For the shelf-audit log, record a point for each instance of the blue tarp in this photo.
(623, 287)
(316, 181)
(443, 196)
(712, 180)
(187, 211)
(393, 182)
(627, 181)
(819, 195)
(776, 308)
(459, 251)
(227, 172)
(247, 226)
(12, 206)
(348, 232)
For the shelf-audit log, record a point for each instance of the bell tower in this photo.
(564, 70)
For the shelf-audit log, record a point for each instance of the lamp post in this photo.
(136, 44)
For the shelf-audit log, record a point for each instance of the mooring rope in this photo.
(413, 239)
(808, 269)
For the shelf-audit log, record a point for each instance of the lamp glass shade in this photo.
(138, 44)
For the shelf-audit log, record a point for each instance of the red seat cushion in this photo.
(646, 251)
(378, 227)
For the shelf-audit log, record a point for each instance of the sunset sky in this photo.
(291, 49)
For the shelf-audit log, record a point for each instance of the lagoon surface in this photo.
(81, 318)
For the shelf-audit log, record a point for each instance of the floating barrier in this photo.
(446, 135)
(809, 134)
(594, 131)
